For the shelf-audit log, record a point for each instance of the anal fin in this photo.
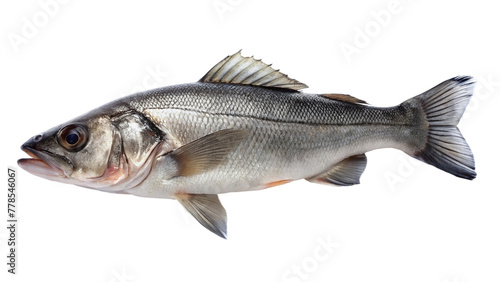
(345, 173)
(207, 210)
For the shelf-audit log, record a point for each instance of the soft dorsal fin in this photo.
(237, 69)
(344, 98)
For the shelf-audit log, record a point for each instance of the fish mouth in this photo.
(44, 163)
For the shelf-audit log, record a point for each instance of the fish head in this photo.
(75, 152)
(101, 152)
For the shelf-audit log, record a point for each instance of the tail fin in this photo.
(443, 107)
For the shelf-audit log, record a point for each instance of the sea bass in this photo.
(245, 126)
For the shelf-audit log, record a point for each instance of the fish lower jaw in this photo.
(39, 167)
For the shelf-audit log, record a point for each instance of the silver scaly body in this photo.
(292, 135)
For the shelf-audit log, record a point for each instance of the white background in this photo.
(405, 222)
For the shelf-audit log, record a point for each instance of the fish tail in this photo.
(441, 109)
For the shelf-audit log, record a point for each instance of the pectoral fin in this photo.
(208, 210)
(345, 173)
(205, 153)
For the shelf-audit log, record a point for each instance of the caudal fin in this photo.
(443, 107)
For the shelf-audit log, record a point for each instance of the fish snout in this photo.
(33, 143)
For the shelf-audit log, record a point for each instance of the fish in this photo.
(245, 126)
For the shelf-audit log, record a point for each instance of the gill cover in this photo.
(136, 143)
(139, 136)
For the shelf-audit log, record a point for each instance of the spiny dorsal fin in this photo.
(344, 98)
(237, 69)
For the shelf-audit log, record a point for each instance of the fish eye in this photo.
(73, 137)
